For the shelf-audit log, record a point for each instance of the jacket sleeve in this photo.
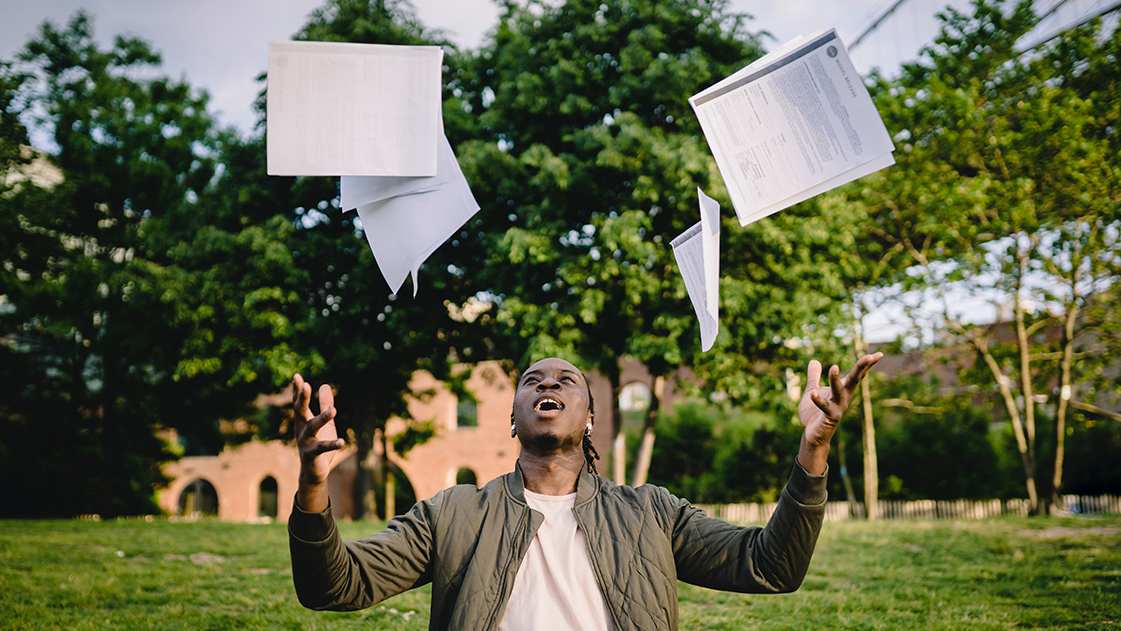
(774, 559)
(343, 576)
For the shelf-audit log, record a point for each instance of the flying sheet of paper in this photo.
(353, 109)
(403, 231)
(357, 190)
(697, 251)
(791, 125)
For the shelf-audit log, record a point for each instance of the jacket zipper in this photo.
(493, 618)
(595, 568)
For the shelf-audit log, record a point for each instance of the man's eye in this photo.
(568, 380)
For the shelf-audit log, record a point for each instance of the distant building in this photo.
(257, 481)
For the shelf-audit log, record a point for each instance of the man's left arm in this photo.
(773, 559)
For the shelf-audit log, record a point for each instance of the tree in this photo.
(1003, 189)
(1081, 253)
(365, 342)
(588, 159)
(138, 302)
(84, 301)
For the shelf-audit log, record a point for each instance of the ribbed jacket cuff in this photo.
(806, 488)
(310, 527)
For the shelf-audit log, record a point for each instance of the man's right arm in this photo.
(329, 573)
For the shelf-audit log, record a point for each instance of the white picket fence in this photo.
(921, 509)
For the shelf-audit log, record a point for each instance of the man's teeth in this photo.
(548, 404)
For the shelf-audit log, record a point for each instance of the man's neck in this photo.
(553, 474)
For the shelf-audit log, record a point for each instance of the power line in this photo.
(876, 23)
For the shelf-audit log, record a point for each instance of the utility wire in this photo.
(876, 23)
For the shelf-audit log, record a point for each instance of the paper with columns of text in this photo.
(792, 125)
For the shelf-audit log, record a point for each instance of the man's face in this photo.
(551, 406)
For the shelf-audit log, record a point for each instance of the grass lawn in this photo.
(1008, 573)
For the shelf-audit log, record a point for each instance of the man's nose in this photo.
(548, 383)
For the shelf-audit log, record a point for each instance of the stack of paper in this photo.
(793, 124)
(371, 113)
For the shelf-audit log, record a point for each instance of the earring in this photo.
(513, 430)
(588, 431)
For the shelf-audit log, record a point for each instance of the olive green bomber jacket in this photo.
(469, 543)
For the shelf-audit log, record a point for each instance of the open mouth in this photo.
(548, 403)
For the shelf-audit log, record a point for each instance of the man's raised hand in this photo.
(822, 407)
(317, 440)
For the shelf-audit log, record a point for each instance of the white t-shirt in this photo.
(556, 587)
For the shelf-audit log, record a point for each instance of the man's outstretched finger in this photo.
(864, 365)
(326, 398)
(836, 385)
(323, 446)
(827, 407)
(813, 375)
(313, 425)
(299, 398)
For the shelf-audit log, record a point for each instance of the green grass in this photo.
(1013, 573)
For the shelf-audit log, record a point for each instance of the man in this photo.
(551, 545)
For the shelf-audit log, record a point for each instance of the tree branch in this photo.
(1093, 409)
(910, 405)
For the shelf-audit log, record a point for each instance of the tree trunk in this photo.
(1065, 396)
(390, 481)
(619, 445)
(646, 450)
(365, 504)
(1027, 459)
(619, 457)
(871, 462)
(77, 397)
(850, 497)
(1027, 390)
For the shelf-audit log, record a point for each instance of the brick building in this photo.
(257, 481)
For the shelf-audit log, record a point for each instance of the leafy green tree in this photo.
(136, 300)
(84, 298)
(356, 336)
(1002, 190)
(588, 162)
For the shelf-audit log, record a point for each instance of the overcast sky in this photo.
(221, 45)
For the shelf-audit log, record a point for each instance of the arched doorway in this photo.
(267, 498)
(199, 498)
(634, 402)
(466, 476)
